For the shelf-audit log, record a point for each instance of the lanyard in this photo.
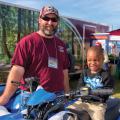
(47, 49)
(52, 61)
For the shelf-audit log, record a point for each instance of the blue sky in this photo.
(98, 11)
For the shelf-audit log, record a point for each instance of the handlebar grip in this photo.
(102, 92)
(31, 79)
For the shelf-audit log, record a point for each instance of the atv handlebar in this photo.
(86, 94)
(31, 83)
(104, 91)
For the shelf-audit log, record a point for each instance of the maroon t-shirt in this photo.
(32, 53)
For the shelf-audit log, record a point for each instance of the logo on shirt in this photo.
(61, 48)
(94, 83)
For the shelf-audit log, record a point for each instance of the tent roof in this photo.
(115, 35)
(115, 32)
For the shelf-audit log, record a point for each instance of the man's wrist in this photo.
(3, 100)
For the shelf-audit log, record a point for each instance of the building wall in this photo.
(90, 27)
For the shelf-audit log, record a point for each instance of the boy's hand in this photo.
(84, 91)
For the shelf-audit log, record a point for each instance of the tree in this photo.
(3, 13)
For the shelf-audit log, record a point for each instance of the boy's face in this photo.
(94, 61)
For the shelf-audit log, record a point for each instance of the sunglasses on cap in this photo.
(53, 19)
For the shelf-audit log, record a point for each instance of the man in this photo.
(40, 54)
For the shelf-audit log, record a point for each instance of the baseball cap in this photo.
(48, 10)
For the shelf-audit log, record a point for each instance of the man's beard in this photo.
(49, 32)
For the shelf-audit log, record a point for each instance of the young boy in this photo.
(94, 78)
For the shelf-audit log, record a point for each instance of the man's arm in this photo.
(66, 81)
(16, 73)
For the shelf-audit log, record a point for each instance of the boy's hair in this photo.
(98, 50)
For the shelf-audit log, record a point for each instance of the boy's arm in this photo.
(108, 86)
(108, 81)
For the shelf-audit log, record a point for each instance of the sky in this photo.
(99, 11)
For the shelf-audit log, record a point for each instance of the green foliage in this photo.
(14, 24)
(11, 42)
(113, 59)
(117, 89)
(111, 56)
(4, 59)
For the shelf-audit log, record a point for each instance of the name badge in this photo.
(52, 62)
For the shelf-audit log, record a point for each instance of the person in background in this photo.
(40, 54)
(95, 77)
(71, 58)
(118, 67)
(106, 58)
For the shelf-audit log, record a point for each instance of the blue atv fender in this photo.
(40, 96)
